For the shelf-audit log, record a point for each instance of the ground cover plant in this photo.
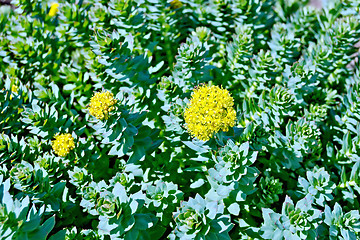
(156, 119)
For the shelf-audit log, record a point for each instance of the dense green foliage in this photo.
(288, 169)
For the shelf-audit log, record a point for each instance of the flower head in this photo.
(175, 4)
(209, 111)
(101, 104)
(63, 143)
(53, 9)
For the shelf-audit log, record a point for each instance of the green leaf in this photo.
(60, 235)
(44, 230)
(31, 225)
(234, 209)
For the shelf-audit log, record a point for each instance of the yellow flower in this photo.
(53, 9)
(175, 4)
(101, 104)
(209, 111)
(63, 143)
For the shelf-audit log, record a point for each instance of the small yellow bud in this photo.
(14, 89)
(53, 9)
(175, 4)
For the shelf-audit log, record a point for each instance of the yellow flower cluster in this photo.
(63, 143)
(53, 9)
(209, 111)
(175, 4)
(101, 104)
